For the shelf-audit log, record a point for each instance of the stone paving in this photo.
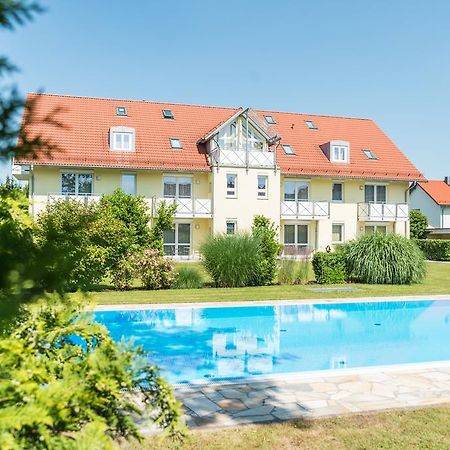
(224, 405)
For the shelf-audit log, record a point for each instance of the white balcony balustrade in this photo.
(84, 198)
(383, 212)
(241, 158)
(305, 210)
(188, 207)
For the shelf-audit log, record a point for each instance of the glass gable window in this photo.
(262, 186)
(231, 185)
(177, 187)
(177, 242)
(254, 139)
(122, 140)
(337, 192)
(128, 183)
(374, 193)
(337, 232)
(296, 234)
(76, 183)
(296, 191)
(227, 137)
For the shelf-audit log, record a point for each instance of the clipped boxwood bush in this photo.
(384, 259)
(232, 260)
(435, 249)
(330, 268)
(188, 278)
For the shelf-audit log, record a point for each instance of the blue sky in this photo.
(386, 60)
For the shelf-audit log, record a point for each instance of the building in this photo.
(323, 180)
(433, 200)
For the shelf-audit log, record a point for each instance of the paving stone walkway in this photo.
(222, 405)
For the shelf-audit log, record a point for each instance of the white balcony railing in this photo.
(85, 198)
(189, 207)
(383, 212)
(305, 210)
(241, 158)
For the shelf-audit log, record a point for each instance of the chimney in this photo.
(447, 180)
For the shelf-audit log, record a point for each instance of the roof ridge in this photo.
(314, 115)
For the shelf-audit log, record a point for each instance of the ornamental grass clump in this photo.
(293, 272)
(232, 260)
(384, 259)
(188, 278)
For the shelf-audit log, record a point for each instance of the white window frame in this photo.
(231, 192)
(338, 224)
(115, 132)
(124, 174)
(342, 153)
(296, 243)
(296, 182)
(263, 193)
(375, 185)
(177, 185)
(342, 192)
(176, 244)
(234, 223)
(77, 174)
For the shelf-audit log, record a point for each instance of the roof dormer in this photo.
(337, 151)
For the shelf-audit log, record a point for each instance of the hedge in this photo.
(329, 268)
(435, 249)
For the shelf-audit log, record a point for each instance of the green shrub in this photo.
(384, 259)
(330, 268)
(154, 271)
(123, 272)
(270, 248)
(163, 221)
(232, 260)
(293, 272)
(188, 278)
(435, 249)
(418, 224)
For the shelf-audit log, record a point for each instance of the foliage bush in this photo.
(418, 224)
(163, 221)
(123, 272)
(154, 271)
(384, 259)
(330, 268)
(188, 278)
(435, 249)
(66, 384)
(270, 248)
(292, 271)
(232, 260)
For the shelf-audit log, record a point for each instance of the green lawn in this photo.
(436, 282)
(396, 430)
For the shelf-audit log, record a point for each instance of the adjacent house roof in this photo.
(438, 190)
(84, 139)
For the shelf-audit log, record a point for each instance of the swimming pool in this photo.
(228, 342)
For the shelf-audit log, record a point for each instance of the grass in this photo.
(437, 281)
(396, 430)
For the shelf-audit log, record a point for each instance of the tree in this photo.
(162, 222)
(418, 224)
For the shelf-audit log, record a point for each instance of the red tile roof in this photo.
(84, 141)
(438, 190)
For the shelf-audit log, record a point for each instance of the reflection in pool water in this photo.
(231, 342)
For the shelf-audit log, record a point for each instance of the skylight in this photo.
(121, 111)
(168, 114)
(369, 153)
(175, 143)
(270, 119)
(311, 125)
(288, 149)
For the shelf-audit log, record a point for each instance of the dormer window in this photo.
(121, 111)
(311, 125)
(369, 153)
(168, 114)
(122, 139)
(175, 143)
(340, 153)
(270, 120)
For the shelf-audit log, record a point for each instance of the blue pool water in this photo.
(191, 344)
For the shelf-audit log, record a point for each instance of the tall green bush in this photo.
(384, 259)
(292, 271)
(435, 249)
(163, 221)
(418, 224)
(270, 247)
(188, 278)
(330, 268)
(232, 260)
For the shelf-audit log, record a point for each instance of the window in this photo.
(122, 139)
(288, 150)
(369, 153)
(177, 187)
(175, 143)
(311, 125)
(296, 191)
(270, 120)
(337, 233)
(231, 226)
(129, 183)
(339, 153)
(255, 140)
(167, 114)
(227, 137)
(296, 235)
(76, 183)
(231, 185)
(375, 193)
(262, 186)
(371, 229)
(337, 192)
(121, 111)
(177, 242)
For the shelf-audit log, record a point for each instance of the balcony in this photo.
(188, 207)
(304, 210)
(84, 198)
(241, 158)
(383, 212)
